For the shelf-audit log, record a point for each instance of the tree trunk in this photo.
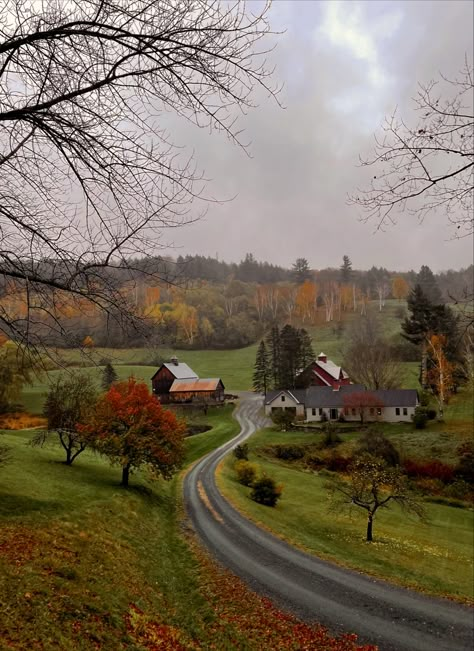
(68, 457)
(369, 528)
(125, 475)
(424, 366)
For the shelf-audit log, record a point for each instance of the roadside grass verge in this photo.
(433, 556)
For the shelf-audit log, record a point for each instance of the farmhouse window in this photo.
(320, 411)
(313, 411)
(371, 411)
(379, 411)
(353, 411)
(405, 411)
(283, 398)
(397, 411)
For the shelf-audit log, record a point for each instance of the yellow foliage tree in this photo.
(306, 301)
(88, 342)
(440, 373)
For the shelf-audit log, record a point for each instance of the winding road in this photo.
(394, 618)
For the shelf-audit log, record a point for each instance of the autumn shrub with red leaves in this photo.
(432, 469)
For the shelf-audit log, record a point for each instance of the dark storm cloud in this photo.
(344, 65)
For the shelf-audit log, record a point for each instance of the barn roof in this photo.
(332, 369)
(205, 384)
(180, 370)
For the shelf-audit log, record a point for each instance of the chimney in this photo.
(174, 360)
(322, 358)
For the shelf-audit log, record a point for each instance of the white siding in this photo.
(284, 401)
(389, 415)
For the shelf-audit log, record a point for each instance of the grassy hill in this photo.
(86, 564)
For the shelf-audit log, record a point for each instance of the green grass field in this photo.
(433, 556)
(77, 551)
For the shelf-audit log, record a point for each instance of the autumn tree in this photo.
(368, 358)
(15, 372)
(363, 403)
(261, 374)
(306, 301)
(132, 429)
(372, 485)
(83, 86)
(425, 165)
(400, 288)
(440, 373)
(68, 408)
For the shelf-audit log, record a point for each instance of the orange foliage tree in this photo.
(132, 429)
(88, 342)
(400, 288)
(306, 301)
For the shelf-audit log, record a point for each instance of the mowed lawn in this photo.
(435, 556)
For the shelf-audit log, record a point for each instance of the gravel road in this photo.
(316, 591)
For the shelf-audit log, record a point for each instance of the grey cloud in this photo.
(291, 193)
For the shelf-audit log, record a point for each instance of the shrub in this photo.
(283, 419)
(324, 417)
(289, 452)
(431, 413)
(459, 490)
(241, 451)
(420, 417)
(336, 463)
(246, 472)
(266, 491)
(433, 469)
(465, 468)
(330, 437)
(378, 445)
(315, 462)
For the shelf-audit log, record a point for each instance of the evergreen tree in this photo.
(290, 357)
(346, 270)
(301, 270)
(273, 351)
(426, 280)
(427, 319)
(306, 349)
(261, 369)
(109, 376)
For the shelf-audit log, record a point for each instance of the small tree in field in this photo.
(371, 486)
(69, 405)
(362, 402)
(109, 376)
(132, 429)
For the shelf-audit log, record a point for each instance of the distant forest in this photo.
(202, 302)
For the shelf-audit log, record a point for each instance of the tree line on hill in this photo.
(206, 303)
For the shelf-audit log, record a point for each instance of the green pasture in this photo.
(433, 556)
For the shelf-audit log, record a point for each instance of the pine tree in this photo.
(306, 349)
(301, 270)
(261, 372)
(427, 319)
(426, 280)
(290, 357)
(109, 376)
(273, 351)
(346, 270)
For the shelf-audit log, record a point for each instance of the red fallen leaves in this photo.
(258, 621)
(151, 634)
(18, 544)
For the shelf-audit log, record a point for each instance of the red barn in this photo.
(164, 377)
(324, 373)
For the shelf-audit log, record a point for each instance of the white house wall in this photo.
(388, 415)
(284, 401)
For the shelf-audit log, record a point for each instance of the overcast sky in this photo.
(344, 65)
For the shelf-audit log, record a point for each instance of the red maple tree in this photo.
(132, 429)
(361, 402)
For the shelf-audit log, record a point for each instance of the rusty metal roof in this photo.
(207, 384)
